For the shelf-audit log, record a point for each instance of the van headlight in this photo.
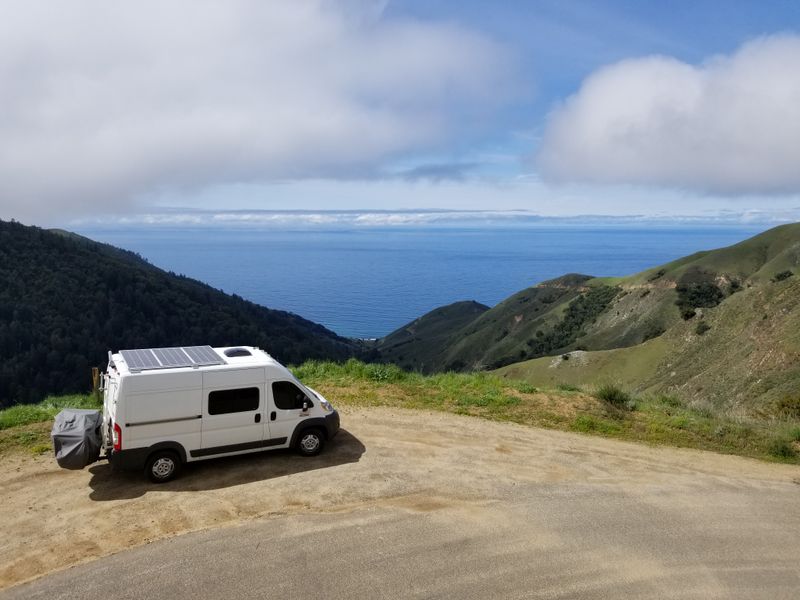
(326, 406)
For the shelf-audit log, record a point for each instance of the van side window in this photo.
(232, 401)
(288, 396)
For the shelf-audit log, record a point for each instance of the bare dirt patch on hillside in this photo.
(405, 460)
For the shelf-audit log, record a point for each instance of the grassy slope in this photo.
(415, 346)
(652, 419)
(489, 336)
(746, 363)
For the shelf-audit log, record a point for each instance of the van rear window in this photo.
(223, 402)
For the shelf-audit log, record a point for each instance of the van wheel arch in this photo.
(315, 423)
(173, 446)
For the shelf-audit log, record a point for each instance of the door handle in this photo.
(258, 417)
(273, 415)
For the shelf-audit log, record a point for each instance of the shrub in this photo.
(697, 294)
(582, 310)
(526, 388)
(588, 424)
(670, 401)
(567, 387)
(781, 448)
(781, 276)
(615, 396)
(702, 327)
(789, 406)
(652, 330)
(565, 357)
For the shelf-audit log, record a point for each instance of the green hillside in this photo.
(682, 327)
(415, 345)
(66, 300)
(488, 339)
(741, 357)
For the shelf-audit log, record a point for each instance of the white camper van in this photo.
(167, 406)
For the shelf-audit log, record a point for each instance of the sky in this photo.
(165, 112)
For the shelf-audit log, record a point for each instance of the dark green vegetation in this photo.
(781, 276)
(66, 300)
(698, 294)
(581, 311)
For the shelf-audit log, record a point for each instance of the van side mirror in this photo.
(305, 405)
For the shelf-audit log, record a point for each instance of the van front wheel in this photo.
(162, 466)
(310, 442)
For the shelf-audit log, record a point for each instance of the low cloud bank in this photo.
(729, 126)
(104, 102)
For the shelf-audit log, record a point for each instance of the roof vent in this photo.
(234, 352)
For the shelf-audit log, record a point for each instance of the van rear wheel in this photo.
(310, 442)
(162, 466)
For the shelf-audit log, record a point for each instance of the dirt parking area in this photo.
(410, 461)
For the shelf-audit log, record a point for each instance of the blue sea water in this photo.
(367, 282)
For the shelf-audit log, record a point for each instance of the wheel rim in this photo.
(309, 442)
(163, 467)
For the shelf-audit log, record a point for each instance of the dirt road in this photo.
(414, 504)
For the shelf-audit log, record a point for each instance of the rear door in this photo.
(233, 412)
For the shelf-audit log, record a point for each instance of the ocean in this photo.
(367, 282)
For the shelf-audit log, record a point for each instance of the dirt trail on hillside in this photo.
(52, 518)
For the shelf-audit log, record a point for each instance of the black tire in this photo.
(310, 442)
(162, 466)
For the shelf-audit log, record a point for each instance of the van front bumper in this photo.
(332, 424)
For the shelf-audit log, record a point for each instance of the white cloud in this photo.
(728, 126)
(103, 102)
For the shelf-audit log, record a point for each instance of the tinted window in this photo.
(231, 401)
(288, 396)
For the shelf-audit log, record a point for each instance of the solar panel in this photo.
(140, 359)
(172, 357)
(203, 355)
(165, 358)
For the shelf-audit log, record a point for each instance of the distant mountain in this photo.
(416, 345)
(722, 325)
(66, 300)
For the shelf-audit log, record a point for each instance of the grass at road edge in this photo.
(608, 411)
(27, 426)
(654, 420)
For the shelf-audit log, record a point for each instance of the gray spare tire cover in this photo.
(76, 437)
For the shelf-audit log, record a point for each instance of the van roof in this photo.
(189, 358)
